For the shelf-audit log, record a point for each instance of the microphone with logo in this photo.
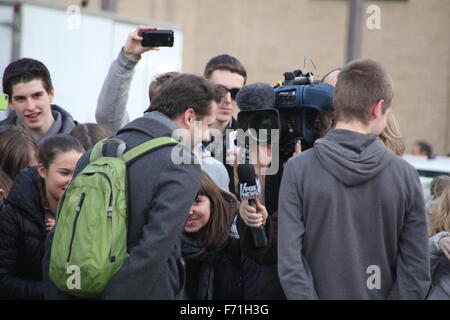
(249, 190)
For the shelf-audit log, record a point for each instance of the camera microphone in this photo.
(249, 190)
(255, 96)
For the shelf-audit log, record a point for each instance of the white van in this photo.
(428, 169)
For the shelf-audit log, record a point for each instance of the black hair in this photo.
(225, 62)
(25, 70)
(51, 147)
(184, 92)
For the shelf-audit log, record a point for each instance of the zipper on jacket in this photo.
(77, 210)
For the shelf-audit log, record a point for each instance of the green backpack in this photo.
(90, 237)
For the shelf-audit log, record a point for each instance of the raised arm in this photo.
(112, 101)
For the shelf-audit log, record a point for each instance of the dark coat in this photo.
(217, 273)
(268, 285)
(22, 239)
(160, 194)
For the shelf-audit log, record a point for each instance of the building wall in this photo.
(271, 37)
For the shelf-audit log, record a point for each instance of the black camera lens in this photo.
(263, 121)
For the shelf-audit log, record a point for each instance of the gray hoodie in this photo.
(352, 223)
(64, 122)
(111, 105)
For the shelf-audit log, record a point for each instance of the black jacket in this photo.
(215, 275)
(22, 238)
(267, 285)
(160, 194)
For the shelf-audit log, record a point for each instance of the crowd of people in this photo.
(345, 219)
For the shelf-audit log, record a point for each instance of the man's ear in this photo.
(2, 195)
(189, 117)
(51, 94)
(42, 171)
(377, 109)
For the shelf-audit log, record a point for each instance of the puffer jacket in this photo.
(22, 238)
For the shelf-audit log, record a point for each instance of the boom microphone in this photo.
(249, 190)
(255, 96)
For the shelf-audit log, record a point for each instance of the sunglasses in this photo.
(233, 92)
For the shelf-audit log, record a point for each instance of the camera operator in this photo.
(267, 284)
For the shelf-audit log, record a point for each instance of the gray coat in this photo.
(160, 194)
(352, 223)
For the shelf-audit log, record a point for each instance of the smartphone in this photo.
(3, 101)
(157, 38)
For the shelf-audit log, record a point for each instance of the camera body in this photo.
(296, 113)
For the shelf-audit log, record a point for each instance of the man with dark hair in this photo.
(352, 221)
(112, 101)
(227, 71)
(161, 191)
(158, 82)
(29, 87)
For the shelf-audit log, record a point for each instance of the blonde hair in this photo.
(440, 217)
(392, 137)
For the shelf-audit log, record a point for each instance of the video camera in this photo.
(296, 113)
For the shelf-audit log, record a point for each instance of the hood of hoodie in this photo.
(64, 122)
(352, 157)
(161, 125)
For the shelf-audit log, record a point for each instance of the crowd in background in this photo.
(348, 200)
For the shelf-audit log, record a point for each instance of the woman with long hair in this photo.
(212, 256)
(439, 243)
(29, 214)
(392, 137)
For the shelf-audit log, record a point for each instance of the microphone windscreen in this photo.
(248, 182)
(255, 96)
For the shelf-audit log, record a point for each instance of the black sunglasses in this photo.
(233, 92)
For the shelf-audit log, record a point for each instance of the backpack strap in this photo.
(97, 149)
(147, 147)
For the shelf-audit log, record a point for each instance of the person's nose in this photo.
(30, 104)
(227, 99)
(69, 180)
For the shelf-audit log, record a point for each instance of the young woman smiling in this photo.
(28, 216)
(213, 257)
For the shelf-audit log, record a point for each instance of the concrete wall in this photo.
(271, 37)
